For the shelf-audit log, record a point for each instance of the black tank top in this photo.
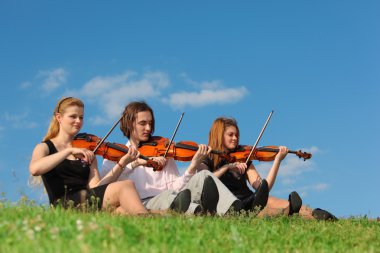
(68, 177)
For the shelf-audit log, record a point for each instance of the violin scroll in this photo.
(303, 155)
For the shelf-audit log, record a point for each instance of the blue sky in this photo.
(315, 63)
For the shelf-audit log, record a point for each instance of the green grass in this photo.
(25, 227)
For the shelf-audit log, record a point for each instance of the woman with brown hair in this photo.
(224, 135)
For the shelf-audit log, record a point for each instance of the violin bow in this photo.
(259, 137)
(175, 132)
(109, 132)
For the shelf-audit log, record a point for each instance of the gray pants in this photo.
(163, 200)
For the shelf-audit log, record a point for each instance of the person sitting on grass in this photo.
(70, 175)
(197, 192)
(224, 136)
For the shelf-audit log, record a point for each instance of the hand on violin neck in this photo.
(201, 154)
(283, 151)
(83, 154)
(161, 161)
(130, 156)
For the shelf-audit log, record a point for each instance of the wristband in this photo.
(120, 165)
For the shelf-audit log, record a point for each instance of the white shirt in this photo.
(150, 183)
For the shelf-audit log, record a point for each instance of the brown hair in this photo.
(215, 137)
(130, 112)
(60, 107)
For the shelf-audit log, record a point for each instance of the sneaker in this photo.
(209, 196)
(321, 214)
(182, 201)
(261, 196)
(295, 203)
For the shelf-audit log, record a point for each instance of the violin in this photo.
(266, 153)
(155, 146)
(181, 151)
(110, 151)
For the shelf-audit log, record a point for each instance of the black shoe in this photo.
(321, 214)
(209, 196)
(198, 210)
(261, 196)
(236, 207)
(182, 201)
(295, 203)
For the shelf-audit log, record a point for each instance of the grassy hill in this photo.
(25, 227)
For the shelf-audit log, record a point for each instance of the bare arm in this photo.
(202, 152)
(271, 178)
(220, 172)
(253, 175)
(236, 168)
(42, 162)
(180, 181)
(116, 171)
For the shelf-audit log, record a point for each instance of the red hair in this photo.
(215, 137)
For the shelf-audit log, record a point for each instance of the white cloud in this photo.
(303, 191)
(100, 85)
(25, 85)
(207, 85)
(290, 173)
(188, 80)
(294, 166)
(206, 97)
(291, 166)
(112, 93)
(317, 187)
(19, 120)
(320, 186)
(52, 79)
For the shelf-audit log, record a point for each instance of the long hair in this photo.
(130, 112)
(215, 137)
(61, 106)
(53, 129)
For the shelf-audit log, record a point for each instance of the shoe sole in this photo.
(295, 203)
(210, 195)
(321, 214)
(261, 196)
(182, 201)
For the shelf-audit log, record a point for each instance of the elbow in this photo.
(270, 185)
(34, 171)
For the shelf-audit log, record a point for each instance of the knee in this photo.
(204, 173)
(124, 185)
(128, 183)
